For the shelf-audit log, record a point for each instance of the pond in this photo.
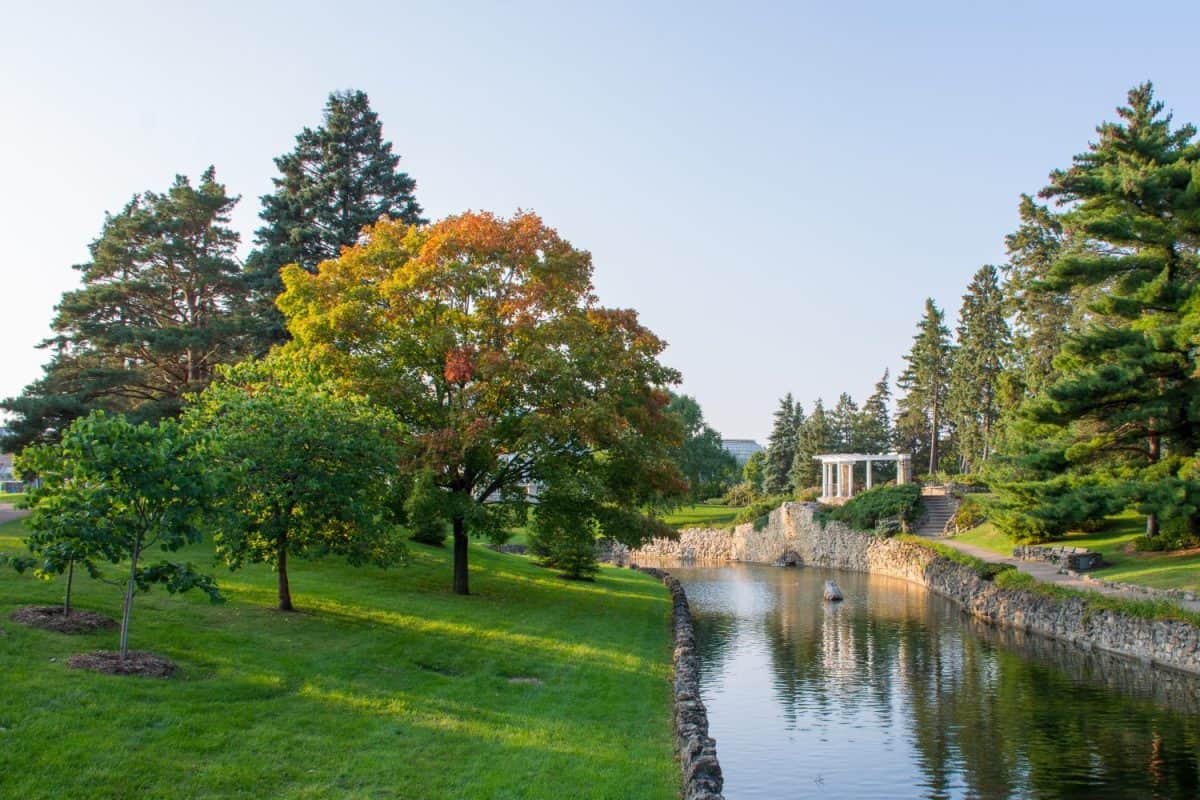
(895, 693)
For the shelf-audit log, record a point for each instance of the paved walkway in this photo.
(8, 513)
(1047, 572)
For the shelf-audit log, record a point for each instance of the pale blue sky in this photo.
(775, 187)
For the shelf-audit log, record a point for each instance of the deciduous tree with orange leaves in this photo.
(484, 337)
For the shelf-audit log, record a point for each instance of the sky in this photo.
(775, 188)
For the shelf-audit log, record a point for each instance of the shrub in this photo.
(741, 494)
(808, 495)
(758, 512)
(969, 515)
(864, 511)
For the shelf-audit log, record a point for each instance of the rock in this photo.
(833, 591)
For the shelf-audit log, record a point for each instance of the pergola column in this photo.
(868, 473)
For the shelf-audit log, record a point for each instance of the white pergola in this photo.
(837, 472)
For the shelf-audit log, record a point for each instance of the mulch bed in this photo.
(52, 619)
(137, 662)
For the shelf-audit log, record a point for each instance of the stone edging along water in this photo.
(793, 529)
(702, 778)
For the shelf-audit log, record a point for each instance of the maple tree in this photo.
(484, 337)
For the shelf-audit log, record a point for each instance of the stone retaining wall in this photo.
(697, 751)
(793, 527)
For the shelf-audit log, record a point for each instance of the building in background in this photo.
(741, 449)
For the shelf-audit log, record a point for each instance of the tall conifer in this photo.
(338, 179)
(781, 448)
(979, 360)
(925, 381)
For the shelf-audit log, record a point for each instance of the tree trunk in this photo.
(67, 596)
(933, 440)
(1152, 517)
(460, 557)
(285, 591)
(137, 547)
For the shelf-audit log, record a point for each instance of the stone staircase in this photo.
(938, 508)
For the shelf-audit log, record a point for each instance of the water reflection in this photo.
(895, 693)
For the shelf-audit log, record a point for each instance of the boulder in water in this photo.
(833, 591)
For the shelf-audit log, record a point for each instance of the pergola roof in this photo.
(854, 458)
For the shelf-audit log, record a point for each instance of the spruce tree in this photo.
(163, 302)
(1122, 416)
(984, 343)
(338, 179)
(844, 424)
(781, 448)
(925, 381)
(814, 437)
(874, 426)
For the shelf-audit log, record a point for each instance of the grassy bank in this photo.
(383, 685)
(702, 516)
(1171, 570)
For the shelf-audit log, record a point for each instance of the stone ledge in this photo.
(702, 779)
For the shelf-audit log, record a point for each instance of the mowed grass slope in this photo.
(1167, 570)
(384, 684)
(702, 516)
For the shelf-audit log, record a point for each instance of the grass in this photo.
(702, 516)
(10, 497)
(1168, 570)
(383, 685)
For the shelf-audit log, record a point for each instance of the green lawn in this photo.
(383, 685)
(7, 497)
(702, 516)
(1180, 570)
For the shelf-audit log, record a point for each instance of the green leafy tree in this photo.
(974, 392)
(484, 338)
(304, 472)
(781, 448)
(339, 179)
(815, 436)
(124, 489)
(1121, 415)
(752, 470)
(163, 303)
(708, 467)
(925, 381)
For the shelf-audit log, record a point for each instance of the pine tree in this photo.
(1040, 314)
(925, 381)
(163, 303)
(339, 178)
(874, 426)
(1122, 416)
(815, 437)
(844, 419)
(781, 448)
(983, 346)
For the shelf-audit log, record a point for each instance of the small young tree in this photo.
(120, 489)
(304, 473)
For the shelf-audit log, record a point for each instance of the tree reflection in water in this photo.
(897, 693)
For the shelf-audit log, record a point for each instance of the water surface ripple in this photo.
(895, 693)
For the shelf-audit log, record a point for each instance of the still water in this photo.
(895, 693)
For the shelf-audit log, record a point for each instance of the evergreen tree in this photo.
(1040, 314)
(1122, 417)
(781, 449)
(979, 360)
(815, 437)
(925, 382)
(843, 419)
(340, 178)
(874, 425)
(163, 303)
